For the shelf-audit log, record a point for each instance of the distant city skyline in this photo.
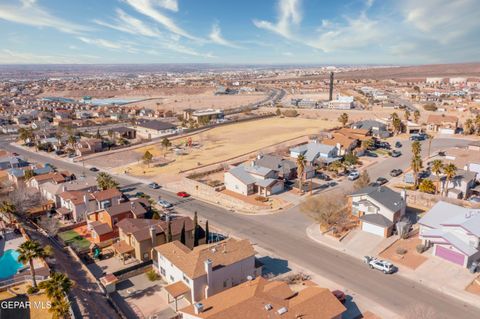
(244, 32)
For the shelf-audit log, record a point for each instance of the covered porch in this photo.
(178, 290)
(123, 250)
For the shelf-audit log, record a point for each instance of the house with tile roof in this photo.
(138, 237)
(443, 124)
(378, 209)
(77, 204)
(453, 231)
(262, 299)
(51, 190)
(207, 269)
(53, 177)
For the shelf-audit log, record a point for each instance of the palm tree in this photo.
(56, 289)
(437, 167)
(450, 171)
(8, 208)
(430, 139)
(300, 171)
(105, 181)
(28, 251)
(416, 148)
(71, 141)
(407, 115)
(416, 116)
(416, 166)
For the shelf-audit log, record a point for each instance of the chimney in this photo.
(403, 193)
(85, 199)
(167, 217)
(64, 188)
(209, 271)
(330, 94)
(153, 235)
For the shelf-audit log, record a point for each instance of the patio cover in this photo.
(177, 289)
(122, 247)
(63, 211)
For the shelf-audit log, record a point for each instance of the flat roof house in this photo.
(262, 299)
(207, 269)
(453, 231)
(378, 209)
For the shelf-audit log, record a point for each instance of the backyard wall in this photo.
(419, 199)
(209, 194)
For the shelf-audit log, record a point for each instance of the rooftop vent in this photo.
(282, 310)
(198, 308)
(249, 278)
(268, 307)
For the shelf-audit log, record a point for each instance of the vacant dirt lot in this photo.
(227, 142)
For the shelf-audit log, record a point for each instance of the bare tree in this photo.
(421, 311)
(328, 209)
(24, 199)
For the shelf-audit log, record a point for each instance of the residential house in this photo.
(253, 179)
(346, 139)
(453, 231)
(51, 190)
(285, 168)
(7, 162)
(375, 128)
(17, 175)
(139, 236)
(316, 153)
(152, 129)
(203, 116)
(123, 132)
(459, 186)
(443, 124)
(103, 223)
(53, 177)
(262, 299)
(79, 203)
(89, 146)
(207, 269)
(378, 209)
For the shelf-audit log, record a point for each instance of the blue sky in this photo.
(239, 31)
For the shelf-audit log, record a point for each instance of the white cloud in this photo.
(442, 20)
(354, 33)
(107, 44)
(28, 12)
(216, 37)
(171, 5)
(129, 24)
(149, 9)
(16, 57)
(288, 13)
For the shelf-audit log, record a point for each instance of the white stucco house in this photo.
(253, 179)
(315, 151)
(378, 209)
(207, 269)
(453, 231)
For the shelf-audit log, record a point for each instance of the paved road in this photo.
(284, 234)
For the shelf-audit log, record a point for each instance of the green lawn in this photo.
(73, 239)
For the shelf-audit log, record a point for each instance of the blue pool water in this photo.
(9, 264)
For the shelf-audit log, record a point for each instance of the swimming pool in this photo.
(9, 264)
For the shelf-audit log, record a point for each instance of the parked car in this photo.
(382, 265)
(139, 194)
(340, 295)
(93, 169)
(353, 175)
(381, 180)
(395, 153)
(441, 153)
(154, 185)
(371, 154)
(384, 145)
(164, 203)
(374, 184)
(183, 194)
(396, 172)
(474, 199)
(398, 144)
(323, 176)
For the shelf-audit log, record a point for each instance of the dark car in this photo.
(395, 153)
(371, 154)
(374, 184)
(396, 172)
(93, 169)
(139, 194)
(384, 145)
(398, 144)
(381, 180)
(154, 185)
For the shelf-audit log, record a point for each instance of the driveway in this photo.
(365, 244)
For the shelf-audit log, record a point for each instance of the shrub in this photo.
(290, 113)
(32, 290)
(152, 275)
(401, 251)
(261, 199)
(430, 107)
(421, 248)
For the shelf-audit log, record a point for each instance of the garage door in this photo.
(450, 255)
(374, 229)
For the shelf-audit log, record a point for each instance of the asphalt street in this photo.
(284, 234)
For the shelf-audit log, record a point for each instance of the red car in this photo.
(340, 295)
(183, 194)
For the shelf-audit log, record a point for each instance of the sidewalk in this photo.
(432, 274)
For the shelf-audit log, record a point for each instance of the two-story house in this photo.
(378, 209)
(443, 124)
(316, 152)
(207, 269)
(253, 179)
(138, 237)
(453, 231)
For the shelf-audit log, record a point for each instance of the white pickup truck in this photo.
(382, 265)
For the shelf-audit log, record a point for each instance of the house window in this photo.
(225, 284)
(162, 271)
(186, 279)
(145, 256)
(171, 278)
